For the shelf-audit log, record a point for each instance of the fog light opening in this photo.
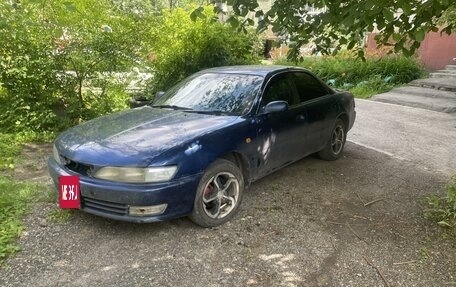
(147, 210)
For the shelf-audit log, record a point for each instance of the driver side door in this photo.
(283, 133)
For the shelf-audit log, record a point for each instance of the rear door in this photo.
(321, 110)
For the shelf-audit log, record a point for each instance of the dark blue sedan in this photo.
(197, 146)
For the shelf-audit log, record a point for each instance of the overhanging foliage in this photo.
(342, 24)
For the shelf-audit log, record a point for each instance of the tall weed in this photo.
(442, 210)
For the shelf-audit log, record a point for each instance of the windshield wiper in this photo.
(171, 107)
(215, 112)
(190, 110)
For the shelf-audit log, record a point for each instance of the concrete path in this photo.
(424, 137)
(437, 93)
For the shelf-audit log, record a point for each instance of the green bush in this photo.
(53, 65)
(101, 95)
(373, 86)
(56, 70)
(182, 46)
(27, 71)
(364, 78)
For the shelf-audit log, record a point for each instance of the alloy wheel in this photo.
(337, 139)
(220, 195)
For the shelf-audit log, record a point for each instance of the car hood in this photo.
(135, 137)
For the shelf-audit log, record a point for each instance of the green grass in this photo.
(367, 89)
(362, 78)
(442, 209)
(365, 92)
(424, 254)
(11, 146)
(15, 198)
(60, 215)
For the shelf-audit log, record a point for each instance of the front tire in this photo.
(335, 145)
(219, 194)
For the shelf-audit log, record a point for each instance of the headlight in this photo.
(136, 174)
(56, 155)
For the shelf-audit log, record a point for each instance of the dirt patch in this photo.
(32, 165)
(306, 225)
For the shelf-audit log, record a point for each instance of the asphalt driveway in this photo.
(353, 222)
(421, 136)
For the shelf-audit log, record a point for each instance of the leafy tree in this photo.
(62, 62)
(93, 43)
(343, 24)
(27, 71)
(449, 16)
(51, 49)
(181, 46)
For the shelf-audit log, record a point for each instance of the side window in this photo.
(280, 88)
(308, 87)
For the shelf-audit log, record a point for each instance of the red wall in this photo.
(435, 52)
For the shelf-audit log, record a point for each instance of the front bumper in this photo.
(113, 199)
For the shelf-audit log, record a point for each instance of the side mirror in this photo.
(275, 107)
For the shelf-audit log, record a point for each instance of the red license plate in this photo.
(69, 193)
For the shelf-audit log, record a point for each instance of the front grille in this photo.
(80, 168)
(104, 206)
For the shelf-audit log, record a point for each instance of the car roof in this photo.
(258, 70)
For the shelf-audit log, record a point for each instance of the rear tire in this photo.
(336, 142)
(219, 194)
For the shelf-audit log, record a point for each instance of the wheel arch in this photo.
(345, 120)
(240, 161)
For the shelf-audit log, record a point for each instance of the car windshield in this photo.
(213, 93)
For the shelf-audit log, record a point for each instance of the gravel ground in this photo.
(305, 225)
